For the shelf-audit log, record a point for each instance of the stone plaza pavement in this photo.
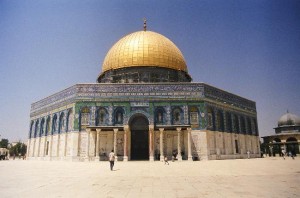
(266, 177)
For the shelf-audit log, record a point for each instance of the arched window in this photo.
(220, 120)
(177, 116)
(61, 123)
(102, 117)
(36, 129)
(54, 123)
(243, 126)
(255, 127)
(31, 130)
(47, 126)
(118, 115)
(211, 119)
(42, 127)
(249, 126)
(159, 115)
(85, 116)
(236, 124)
(228, 122)
(70, 120)
(194, 116)
(252, 126)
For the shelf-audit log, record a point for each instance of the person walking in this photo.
(283, 153)
(112, 159)
(293, 154)
(166, 160)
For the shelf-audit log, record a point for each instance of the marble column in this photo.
(179, 157)
(126, 130)
(57, 145)
(33, 148)
(115, 144)
(50, 147)
(45, 146)
(97, 157)
(151, 153)
(87, 156)
(65, 135)
(66, 144)
(190, 157)
(28, 147)
(39, 145)
(161, 144)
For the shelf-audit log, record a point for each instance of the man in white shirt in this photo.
(112, 159)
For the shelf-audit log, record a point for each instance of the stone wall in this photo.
(206, 145)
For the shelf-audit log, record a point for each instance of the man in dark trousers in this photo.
(112, 159)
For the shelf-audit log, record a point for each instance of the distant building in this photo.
(144, 107)
(287, 136)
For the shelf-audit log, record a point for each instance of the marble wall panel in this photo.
(82, 143)
(54, 146)
(42, 147)
(69, 144)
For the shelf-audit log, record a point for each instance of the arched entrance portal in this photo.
(139, 127)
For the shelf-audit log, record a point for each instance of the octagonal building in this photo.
(144, 107)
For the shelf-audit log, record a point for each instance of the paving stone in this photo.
(267, 177)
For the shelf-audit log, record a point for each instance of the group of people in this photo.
(284, 154)
(111, 158)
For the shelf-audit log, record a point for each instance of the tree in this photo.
(4, 143)
(19, 148)
(264, 148)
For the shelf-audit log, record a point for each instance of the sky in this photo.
(249, 48)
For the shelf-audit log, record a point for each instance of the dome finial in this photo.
(287, 111)
(145, 24)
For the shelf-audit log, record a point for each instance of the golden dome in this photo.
(144, 48)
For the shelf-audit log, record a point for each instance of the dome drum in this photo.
(143, 75)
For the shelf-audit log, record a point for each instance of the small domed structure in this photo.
(289, 119)
(286, 139)
(288, 123)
